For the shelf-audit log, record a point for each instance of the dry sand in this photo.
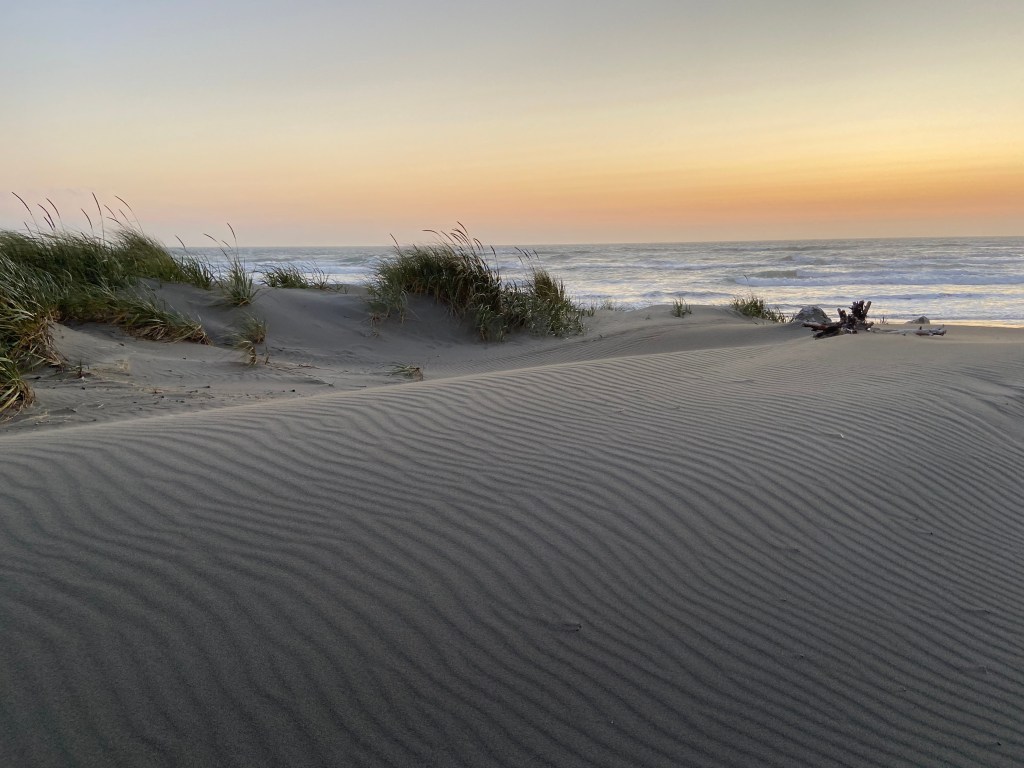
(696, 542)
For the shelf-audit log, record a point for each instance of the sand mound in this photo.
(644, 547)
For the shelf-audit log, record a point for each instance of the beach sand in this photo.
(667, 542)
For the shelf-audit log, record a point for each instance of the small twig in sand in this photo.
(413, 372)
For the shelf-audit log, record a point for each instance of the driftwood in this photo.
(849, 322)
(922, 331)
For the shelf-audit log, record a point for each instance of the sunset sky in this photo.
(338, 122)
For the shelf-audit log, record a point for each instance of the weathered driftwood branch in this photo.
(922, 331)
(849, 322)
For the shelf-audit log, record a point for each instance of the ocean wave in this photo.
(878, 278)
(979, 278)
(776, 274)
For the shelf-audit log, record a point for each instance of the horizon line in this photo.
(646, 242)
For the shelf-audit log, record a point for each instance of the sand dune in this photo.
(664, 543)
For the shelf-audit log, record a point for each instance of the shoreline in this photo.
(949, 276)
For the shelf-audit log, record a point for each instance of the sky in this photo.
(312, 122)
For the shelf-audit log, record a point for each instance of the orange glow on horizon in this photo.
(734, 123)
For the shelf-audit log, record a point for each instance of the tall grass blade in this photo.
(454, 271)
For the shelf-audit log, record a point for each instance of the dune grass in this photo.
(196, 270)
(252, 328)
(455, 271)
(71, 276)
(291, 276)
(235, 282)
(250, 332)
(29, 303)
(138, 312)
(28, 307)
(237, 285)
(52, 274)
(14, 390)
(78, 258)
(680, 308)
(755, 306)
(542, 306)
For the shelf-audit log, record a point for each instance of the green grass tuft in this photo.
(755, 306)
(147, 317)
(237, 285)
(51, 274)
(137, 311)
(236, 282)
(29, 304)
(249, 334)
(252, 329)
(291, 276)
(15, 393)
(680, 308)
(455, 271)
(195, 270)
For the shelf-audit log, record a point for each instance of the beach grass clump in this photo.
(52, 274)
(756, 306)
(237, 284)
(292, 276)
(545, 307)
(119, 256)
(73, 257)
(455, 271)
(680, 308)
(142, 256)
(147, 317)
(28, 300)
(29, 304)
(195, 270)
(252, 328)
(15, 392)
(120, 259)
(385, 293)
(284, 276)
(250, 332)
(137, 311)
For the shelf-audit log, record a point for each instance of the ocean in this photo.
(957, 280)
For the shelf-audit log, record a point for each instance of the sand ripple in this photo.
(714, 557)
